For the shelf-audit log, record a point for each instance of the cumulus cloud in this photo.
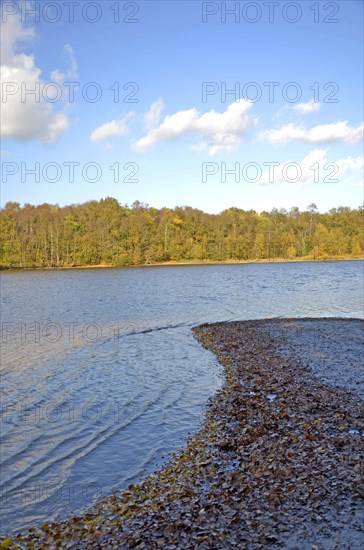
(219, 131)
(350, 163)
(153, 116)
(13, 33)
(355, 167)
(312, 166)
(111, 129)
(309, 107)
(323, 133)
(60, 77)
(29, 117)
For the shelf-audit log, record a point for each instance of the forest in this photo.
(109, 233)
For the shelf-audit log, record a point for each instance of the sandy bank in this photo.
(192, 262)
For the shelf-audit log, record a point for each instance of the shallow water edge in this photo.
(276, 463)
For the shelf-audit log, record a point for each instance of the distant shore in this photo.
(186, 263)
(276, 464)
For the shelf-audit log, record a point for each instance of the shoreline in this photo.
(191, 263)
(276, 463)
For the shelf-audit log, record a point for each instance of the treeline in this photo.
(106, 232)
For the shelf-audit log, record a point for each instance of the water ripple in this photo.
(91, 409)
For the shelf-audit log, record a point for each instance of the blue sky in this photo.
(172, 141)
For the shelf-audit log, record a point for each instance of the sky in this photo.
(256, 105)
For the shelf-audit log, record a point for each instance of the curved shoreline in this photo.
(276, 463)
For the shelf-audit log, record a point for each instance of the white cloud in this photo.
(152, 117)
(354, 166)
(309, 107)
(324, 133)
(312, 166)
(30, 117)
(111, 129)
(58, 76)
(350, 163)
(12, 34)
(219, 131)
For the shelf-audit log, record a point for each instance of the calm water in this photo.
(101, 375)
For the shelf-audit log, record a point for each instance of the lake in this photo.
(101, 376)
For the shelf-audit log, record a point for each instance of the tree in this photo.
(107, 232)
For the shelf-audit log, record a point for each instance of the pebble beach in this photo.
(277, 463)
